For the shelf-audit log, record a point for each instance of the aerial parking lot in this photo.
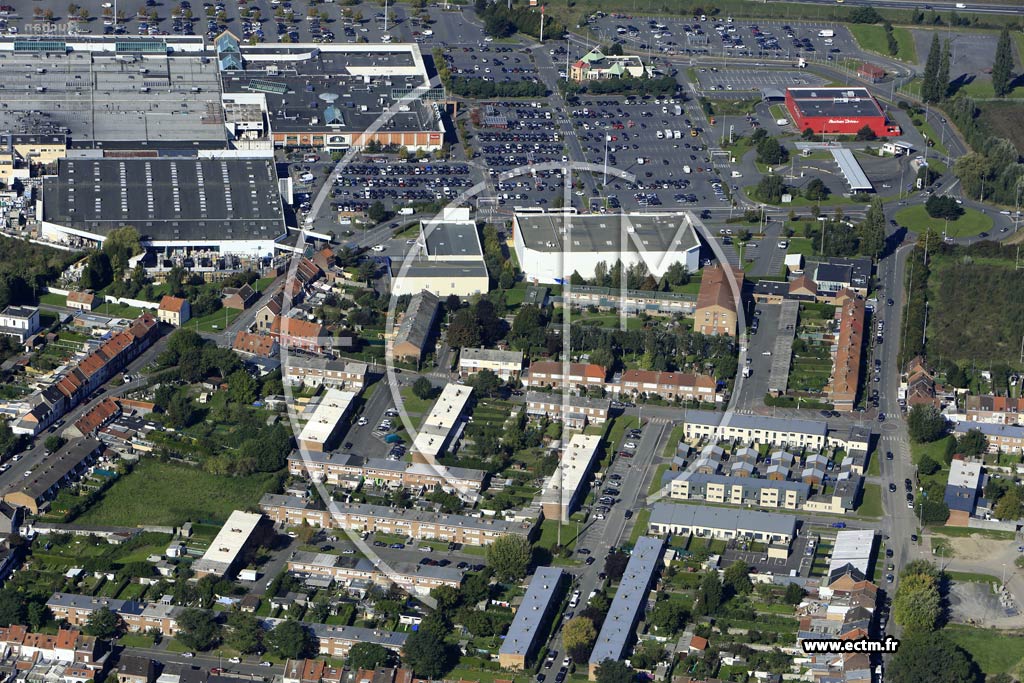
(726, 37)
(716, 79)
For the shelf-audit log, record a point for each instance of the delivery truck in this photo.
(826, 33)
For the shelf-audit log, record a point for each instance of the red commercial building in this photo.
(837, 111)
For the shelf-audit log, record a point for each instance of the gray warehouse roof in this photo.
(531, 614)
(603, 232)
(851, 170)
(723, 518)
(629, 600)
(167, 199)
(452, 239)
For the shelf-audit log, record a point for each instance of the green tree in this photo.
(917, 605)
(1002, 65)
(925, 423)
(611, 671)
(816, 190)
(485, 383)
(942, 75)
(770, 188)
(120, 245)
(463, 330)
(1011, 505)
(770, 152)
(509, 557)
(931, 658)
(668, 616)
(579, 635)
(929, 82)
(291, 639)
(242, 387)
(377, 213)
(12, 607)
(53, 442)
(709, 594)
(736, 578)
(794, 594)
(198, 629)
(244, 633)
(103, 623)
(871, 231)
(422, 388)
(927, 466)
(369, 656)
(866, 133)
(615, 565)
(426, 654)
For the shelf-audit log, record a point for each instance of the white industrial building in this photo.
(853, 548)
(551, 246)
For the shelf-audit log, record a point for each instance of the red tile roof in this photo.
(99, 415)
(172, 303)
(256, 344)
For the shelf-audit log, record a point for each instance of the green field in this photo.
(968, 225)
(640, 523)
(871, 503)
(994, 651)
(872, 38)
(214, 322)
(169, 494)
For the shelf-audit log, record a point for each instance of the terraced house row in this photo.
(345, 469)
(362, 518)
(51, 403)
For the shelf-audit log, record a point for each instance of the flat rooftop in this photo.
(532, 613)
(550, 232)
(341, 88)
(835, 102)
(328, 414)
(103, 97)
(166, 198)
(452, 239)
(630, 598)
(230, 541)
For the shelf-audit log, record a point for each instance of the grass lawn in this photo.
(927, 129)
(871, 502)
(640, 523)
(971, 223)
(52, 299)
(981, 88)
(800, 245)
(972, 577)
(414, 405)
(995, 651)
(875, 464)
(659, 474)
(872, 37)
(218, 320)
(118, 310)
(673, 440)
(549, 534)
(168, 494)
(135, 640)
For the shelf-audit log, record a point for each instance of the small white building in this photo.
(20, 322)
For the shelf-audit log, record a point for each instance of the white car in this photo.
(187, 654)
(235, 660)
(362, 421)
(266, 664)
(629, 444)
(766, 353)
(377, 247)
